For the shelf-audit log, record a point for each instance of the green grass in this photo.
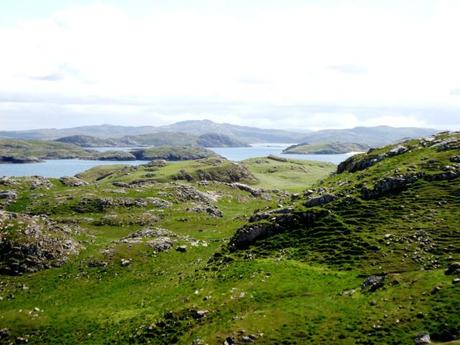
(299, 286)
(292, 175)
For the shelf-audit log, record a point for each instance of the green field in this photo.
(299, 282)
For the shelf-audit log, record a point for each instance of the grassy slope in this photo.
(293, 175)
(326, 148)
(280, 293)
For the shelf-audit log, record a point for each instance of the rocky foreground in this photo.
(267, 251)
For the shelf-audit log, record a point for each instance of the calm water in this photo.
(70, 167)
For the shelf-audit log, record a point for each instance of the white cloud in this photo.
(371, 55)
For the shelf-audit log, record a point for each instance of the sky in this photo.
(288, 64)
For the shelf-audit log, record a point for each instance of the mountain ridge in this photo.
(372, 136)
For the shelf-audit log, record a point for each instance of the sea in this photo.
(70, 167)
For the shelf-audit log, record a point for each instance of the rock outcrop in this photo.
(33, 243)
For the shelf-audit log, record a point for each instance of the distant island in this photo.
(155, 139)
(326, 148)
(33, 151)
(185, 140)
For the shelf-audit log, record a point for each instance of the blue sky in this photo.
(277, 64)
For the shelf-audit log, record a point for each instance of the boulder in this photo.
(8, 195)
(71, 181)
(422, 339)
(400, 149)
(181, 249)
(36, 243)
(255, 192)
(320, 200)
(211, 210)
(157, 202)
(389, 185)
(453, 269)
(187, 193)
(372, 283)
(359, 162)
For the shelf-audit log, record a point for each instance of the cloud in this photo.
(302, 65)
(49, 77)
(349, 69)
(455, 92)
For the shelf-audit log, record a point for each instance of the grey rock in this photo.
(453, 269)
(320, 200)
(389, 185)
(211, 210)
(400, 149)
(372, 283)
(422, 339)
(125, 262)
(8, 195)
(181, 249)
(71, 181)
(255, 192)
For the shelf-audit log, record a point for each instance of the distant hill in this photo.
(87, 141)
(100, 131)
(196, 128)
(326, 148)
(181, 133)
(219, 140)
(372, 136)
(155, 139)
(242, 133)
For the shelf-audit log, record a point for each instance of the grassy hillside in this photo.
(372, 136)
(292, 175)
(326, 148)
(34, 150)
(365, 256)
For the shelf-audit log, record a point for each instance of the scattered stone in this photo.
(4, 333)
(435, 290)
(354, 163)
(36, 243)
(389, 185)
(71, 181)
(157, 202)
(229, 341)
(422, 339)
(8, 195)
(161, 244)
(186, 193)
(121, 184)
(40, 182)
(400, 149)
(199, 314)
(181, 249)
(269, 214)
(320, 200)
(211, 210)
(453, 269)
(125, 262)
(372, 283)
(22, 340)
(255, 192)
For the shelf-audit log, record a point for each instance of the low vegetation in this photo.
(326, 148)
(268, 251)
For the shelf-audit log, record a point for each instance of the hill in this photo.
(155, 139)
(195, 128)
(241, 133)
(173, 153)
(87, 141)
(268, 251)
(372, 136)
(326, 148)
